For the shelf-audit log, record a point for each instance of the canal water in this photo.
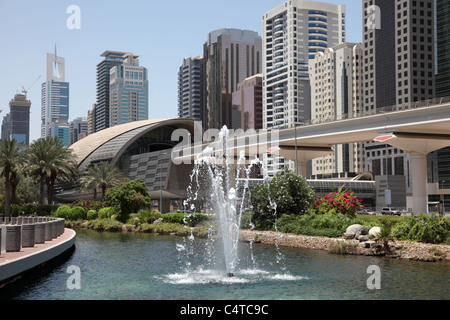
(115, 266)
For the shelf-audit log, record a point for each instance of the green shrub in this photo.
(77, 213)
(110, 225)
(289, 194)
(92, 215)
(332, 226)
(129, 197)
(190, 220)
(64, 212)
(148, 216)
(423, 228)
(107, 213)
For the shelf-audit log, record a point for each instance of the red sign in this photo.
(385, 138)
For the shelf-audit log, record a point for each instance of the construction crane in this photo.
(26, 91)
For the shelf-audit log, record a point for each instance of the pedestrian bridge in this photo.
(417, 129)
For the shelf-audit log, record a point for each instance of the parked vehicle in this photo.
(366, 212)
(391, 211)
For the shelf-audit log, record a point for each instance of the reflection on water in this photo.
(147, 267)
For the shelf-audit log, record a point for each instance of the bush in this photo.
(289, 193)
(148, 216)
(92, 215)
(77, 213)
(332, 226)
(339, 202)
(111, 225)
(423, 228)
(64, 212)
(190, 220)
(129, 197)
(107, 213)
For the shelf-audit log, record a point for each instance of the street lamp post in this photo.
(443, 198)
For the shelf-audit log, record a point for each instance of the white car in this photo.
(391, 211)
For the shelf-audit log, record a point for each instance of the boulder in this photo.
(357, 230)
(374, 232)
(363, 238)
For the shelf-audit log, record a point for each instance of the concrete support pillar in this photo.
(301, 168)
(419, 182)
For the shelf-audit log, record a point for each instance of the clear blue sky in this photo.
(162, 32)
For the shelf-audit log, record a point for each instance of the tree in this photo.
(286, 193)
(129, 197)
(102, 175)
(50, 161)
(10, 155)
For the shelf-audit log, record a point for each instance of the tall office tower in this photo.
(247, 104)
(61, 130)
(190, 88)
(90, 119)
(399, 69)
(293, 33)
(17, 121)
(443, 48)
(443, 80)
(78, 128)
(55, 97)
(230, 56)
(101, 112)
(337, 92)
(5, 127)
(128, 92)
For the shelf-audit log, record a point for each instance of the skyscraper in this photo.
(398, 53)
(336, 92)
(17, 121)
(230, 56)
(101, 112)
(78, 128)
(55, 97)
(247, 104)
(443, 48)
(293, 33)
(128, 91)
(399, 69)
(190, 88)
(443, 79)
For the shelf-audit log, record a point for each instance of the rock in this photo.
(363, 238)
(374, 232)
(370, 244)
(349, 236)
(357, 230)
(160, 220)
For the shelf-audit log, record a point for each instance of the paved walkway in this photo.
(8, 257)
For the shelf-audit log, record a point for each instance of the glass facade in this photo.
(101, 112)
(230, 56)
(443, 80)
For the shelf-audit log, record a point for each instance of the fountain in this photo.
(212, 176)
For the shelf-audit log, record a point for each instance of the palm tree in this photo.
(102, 176)
(10, 154)
(49, 160)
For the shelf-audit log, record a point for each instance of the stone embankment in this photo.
(397, 249)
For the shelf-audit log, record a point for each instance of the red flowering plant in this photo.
(88, 205)
(339, 202)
